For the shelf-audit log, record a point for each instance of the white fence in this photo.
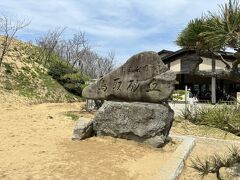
(180, 107)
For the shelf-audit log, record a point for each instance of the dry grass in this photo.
(185, 127)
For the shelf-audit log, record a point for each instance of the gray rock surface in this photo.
(144, 77)
(143, 122)
(83, 129)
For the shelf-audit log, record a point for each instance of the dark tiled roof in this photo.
(165, 51)
(170, 56)
(178, 52)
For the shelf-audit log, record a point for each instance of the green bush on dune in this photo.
(69, 77)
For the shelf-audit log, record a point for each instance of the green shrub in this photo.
(69, 77)
(60, 68)
(75, 77)
(74, 83)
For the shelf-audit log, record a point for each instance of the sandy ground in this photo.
(35, 143)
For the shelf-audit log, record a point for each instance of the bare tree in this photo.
(73, 50)
(106, 64)
(48, 43)
(95, 65)
(8, 30)
(79, 48)
(77, 52)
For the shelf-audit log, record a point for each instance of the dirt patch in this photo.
(36, 144)
(109, 158)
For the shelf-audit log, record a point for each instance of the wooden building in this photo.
(205, 88)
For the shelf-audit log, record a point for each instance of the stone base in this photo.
(149, 123)
(142, 122)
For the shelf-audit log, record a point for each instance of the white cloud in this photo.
(124, 26)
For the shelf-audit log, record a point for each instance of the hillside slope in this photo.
(23, 75)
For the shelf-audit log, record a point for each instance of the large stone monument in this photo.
(135, 106)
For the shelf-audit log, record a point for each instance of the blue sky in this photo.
(125, 27)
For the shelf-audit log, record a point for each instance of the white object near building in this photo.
(238, 97)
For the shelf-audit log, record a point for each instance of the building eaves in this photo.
(169, 57)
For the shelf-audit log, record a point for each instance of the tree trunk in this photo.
(1, 62)
(2, 56)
